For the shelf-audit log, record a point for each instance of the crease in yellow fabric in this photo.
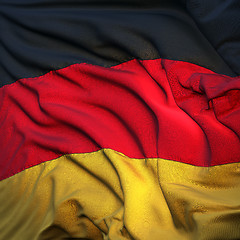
(107, 195)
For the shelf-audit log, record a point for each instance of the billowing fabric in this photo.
(106, 195)
(119, 119)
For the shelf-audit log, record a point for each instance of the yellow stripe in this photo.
(106, 195)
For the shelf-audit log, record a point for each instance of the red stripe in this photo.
(151, 108)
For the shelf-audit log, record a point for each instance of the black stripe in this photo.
(39, 35)
(220, 22)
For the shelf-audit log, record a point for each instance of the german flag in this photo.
(120, 119)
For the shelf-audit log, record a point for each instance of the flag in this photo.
(119, 119)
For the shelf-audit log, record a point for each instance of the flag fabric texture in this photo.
(119, 119)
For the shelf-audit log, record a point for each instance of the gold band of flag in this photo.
(107, 195)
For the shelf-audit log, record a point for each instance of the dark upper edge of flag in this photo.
(47, 35)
